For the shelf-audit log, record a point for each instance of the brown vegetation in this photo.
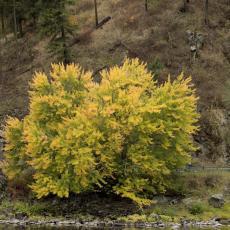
(159, 34)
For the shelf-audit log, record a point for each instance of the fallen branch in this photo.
(95, 74)
(105, 20)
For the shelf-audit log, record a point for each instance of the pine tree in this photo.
(55, 24)
(13, 13)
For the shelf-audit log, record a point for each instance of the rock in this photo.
(161, 199)
(193, 48)
(189, 201)
(199, 40)
(217, 200)
(224, 221)
(175, 226)
(195, 40)
(21, 216)
(174, 201)
(184, 222)
(213, 132)
(154, 216)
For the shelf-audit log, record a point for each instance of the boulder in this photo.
(217, 200)
(21, 216)
(188, 201)
(154, 217)
(195, 40)
(224, 221)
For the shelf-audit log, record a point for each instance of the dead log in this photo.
(96, 74)
(105, 20)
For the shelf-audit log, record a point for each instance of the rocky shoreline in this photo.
(101, 224)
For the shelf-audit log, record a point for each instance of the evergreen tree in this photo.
(51, 16)
(26, 11)
(54, 22)
(14, 12)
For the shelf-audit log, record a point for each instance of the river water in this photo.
(10, 227)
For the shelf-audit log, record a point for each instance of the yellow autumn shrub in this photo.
(127, 133)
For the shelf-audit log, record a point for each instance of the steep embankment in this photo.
(163, 37)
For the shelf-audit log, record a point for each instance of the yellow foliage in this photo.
(127, 131)
(72, 19)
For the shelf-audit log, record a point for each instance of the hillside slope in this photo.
(162, 37)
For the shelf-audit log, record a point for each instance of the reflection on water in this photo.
(10, 227)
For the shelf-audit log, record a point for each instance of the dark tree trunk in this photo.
(146, 5)
(206, 12)
(65, 52)
(101, 23)
(185, 5)
(34, 22)
(1, 61)
(96, 12)
(2, 20)
(20, 27)
(3, 23)
(15, 19)
(63, 38)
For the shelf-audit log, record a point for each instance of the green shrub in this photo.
(127, 132)
(134, 218)
(155, 67)
(196, 209)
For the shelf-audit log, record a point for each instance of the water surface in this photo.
(10, 227)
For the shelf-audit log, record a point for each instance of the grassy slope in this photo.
(159, 34)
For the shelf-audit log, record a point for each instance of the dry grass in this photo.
(159, 34)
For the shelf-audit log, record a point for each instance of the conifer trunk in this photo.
(63, 37)
(3, 23)
(34, 21)
(96, 12)
(1, 60)
(185, 5)
(206, 12)
(20, 27)
(146, 5)
(15, 19)
(65, 54)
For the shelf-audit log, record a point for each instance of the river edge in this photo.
(105, 224)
